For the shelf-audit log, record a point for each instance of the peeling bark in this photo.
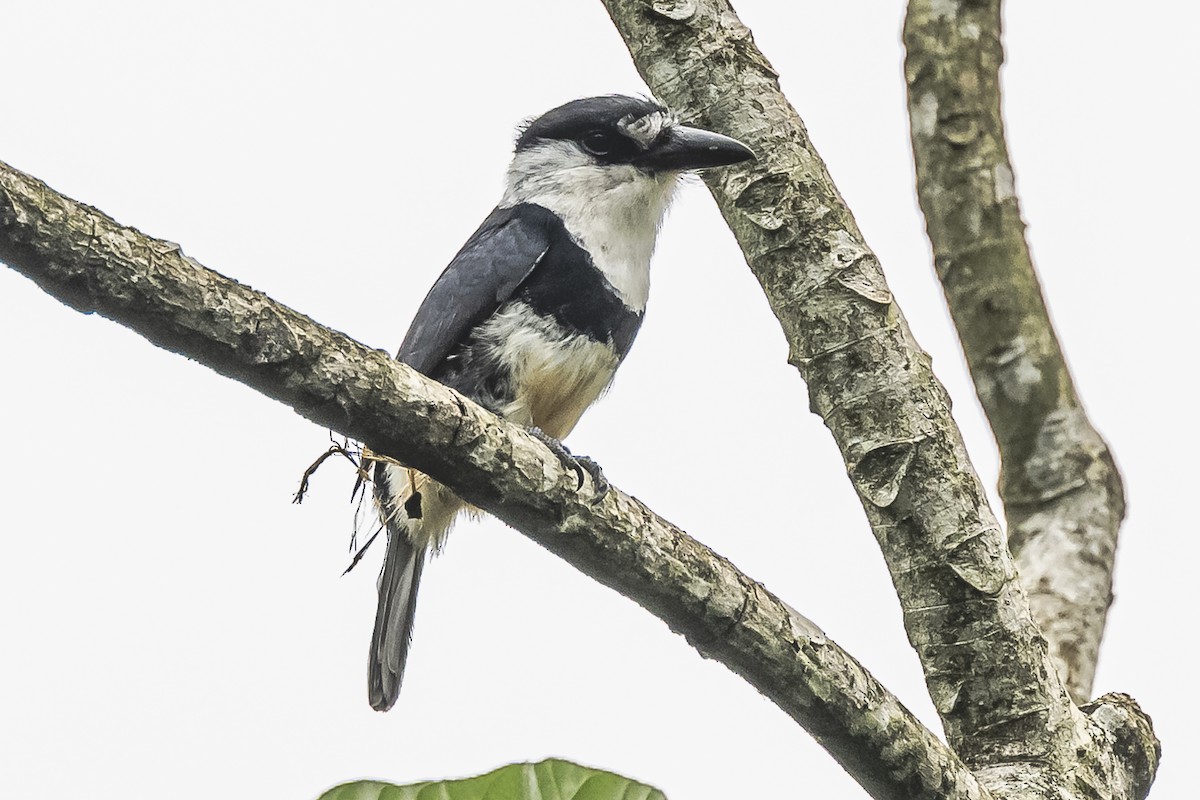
(1061, 490)
(1004, 707)
(91, 263)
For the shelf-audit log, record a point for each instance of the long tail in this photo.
(415, 525)
(394, 618)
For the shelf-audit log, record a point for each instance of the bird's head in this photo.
(632, 131)
(589, 148)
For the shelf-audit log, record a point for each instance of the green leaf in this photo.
(552, 779)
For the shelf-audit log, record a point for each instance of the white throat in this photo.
(612, 211)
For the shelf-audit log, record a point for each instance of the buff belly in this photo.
(554, 374)
(539, 373)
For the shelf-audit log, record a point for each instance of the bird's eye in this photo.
(598, 143)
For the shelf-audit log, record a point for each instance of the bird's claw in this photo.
(599, 482)
(580, 465)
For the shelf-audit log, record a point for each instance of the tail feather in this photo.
(394, 619)
(418, 513)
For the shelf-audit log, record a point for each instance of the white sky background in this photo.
(171, 625)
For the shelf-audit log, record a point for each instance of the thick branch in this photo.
(83, 258)
(987, 667)
(1061, 490)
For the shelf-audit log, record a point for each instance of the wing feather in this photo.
(486, 272)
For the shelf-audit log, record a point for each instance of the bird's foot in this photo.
(599, 482)
(580, 465)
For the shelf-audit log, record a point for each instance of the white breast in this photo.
(556, 374)
(612, 211)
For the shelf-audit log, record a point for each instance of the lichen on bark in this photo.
(1003, 705)
(1061, 490)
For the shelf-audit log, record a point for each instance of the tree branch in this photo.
(1005, 710)
(88, 261)
(1061, 490)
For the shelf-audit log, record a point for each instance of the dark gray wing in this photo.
(485, 273)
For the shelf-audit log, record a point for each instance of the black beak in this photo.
(681, 149)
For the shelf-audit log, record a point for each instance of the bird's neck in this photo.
(612, 212)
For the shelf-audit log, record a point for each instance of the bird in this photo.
(535, 313)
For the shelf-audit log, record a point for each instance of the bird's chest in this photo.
(553, 372)
(619, 239)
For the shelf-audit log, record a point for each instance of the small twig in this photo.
(376, 458)
(366, 455)
(363, 550)
(361, 479)
(334, 449)
(360, 456)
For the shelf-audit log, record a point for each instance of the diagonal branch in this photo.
(88, 261)
(1005, 710)
(1061, 490)
(869, 380)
